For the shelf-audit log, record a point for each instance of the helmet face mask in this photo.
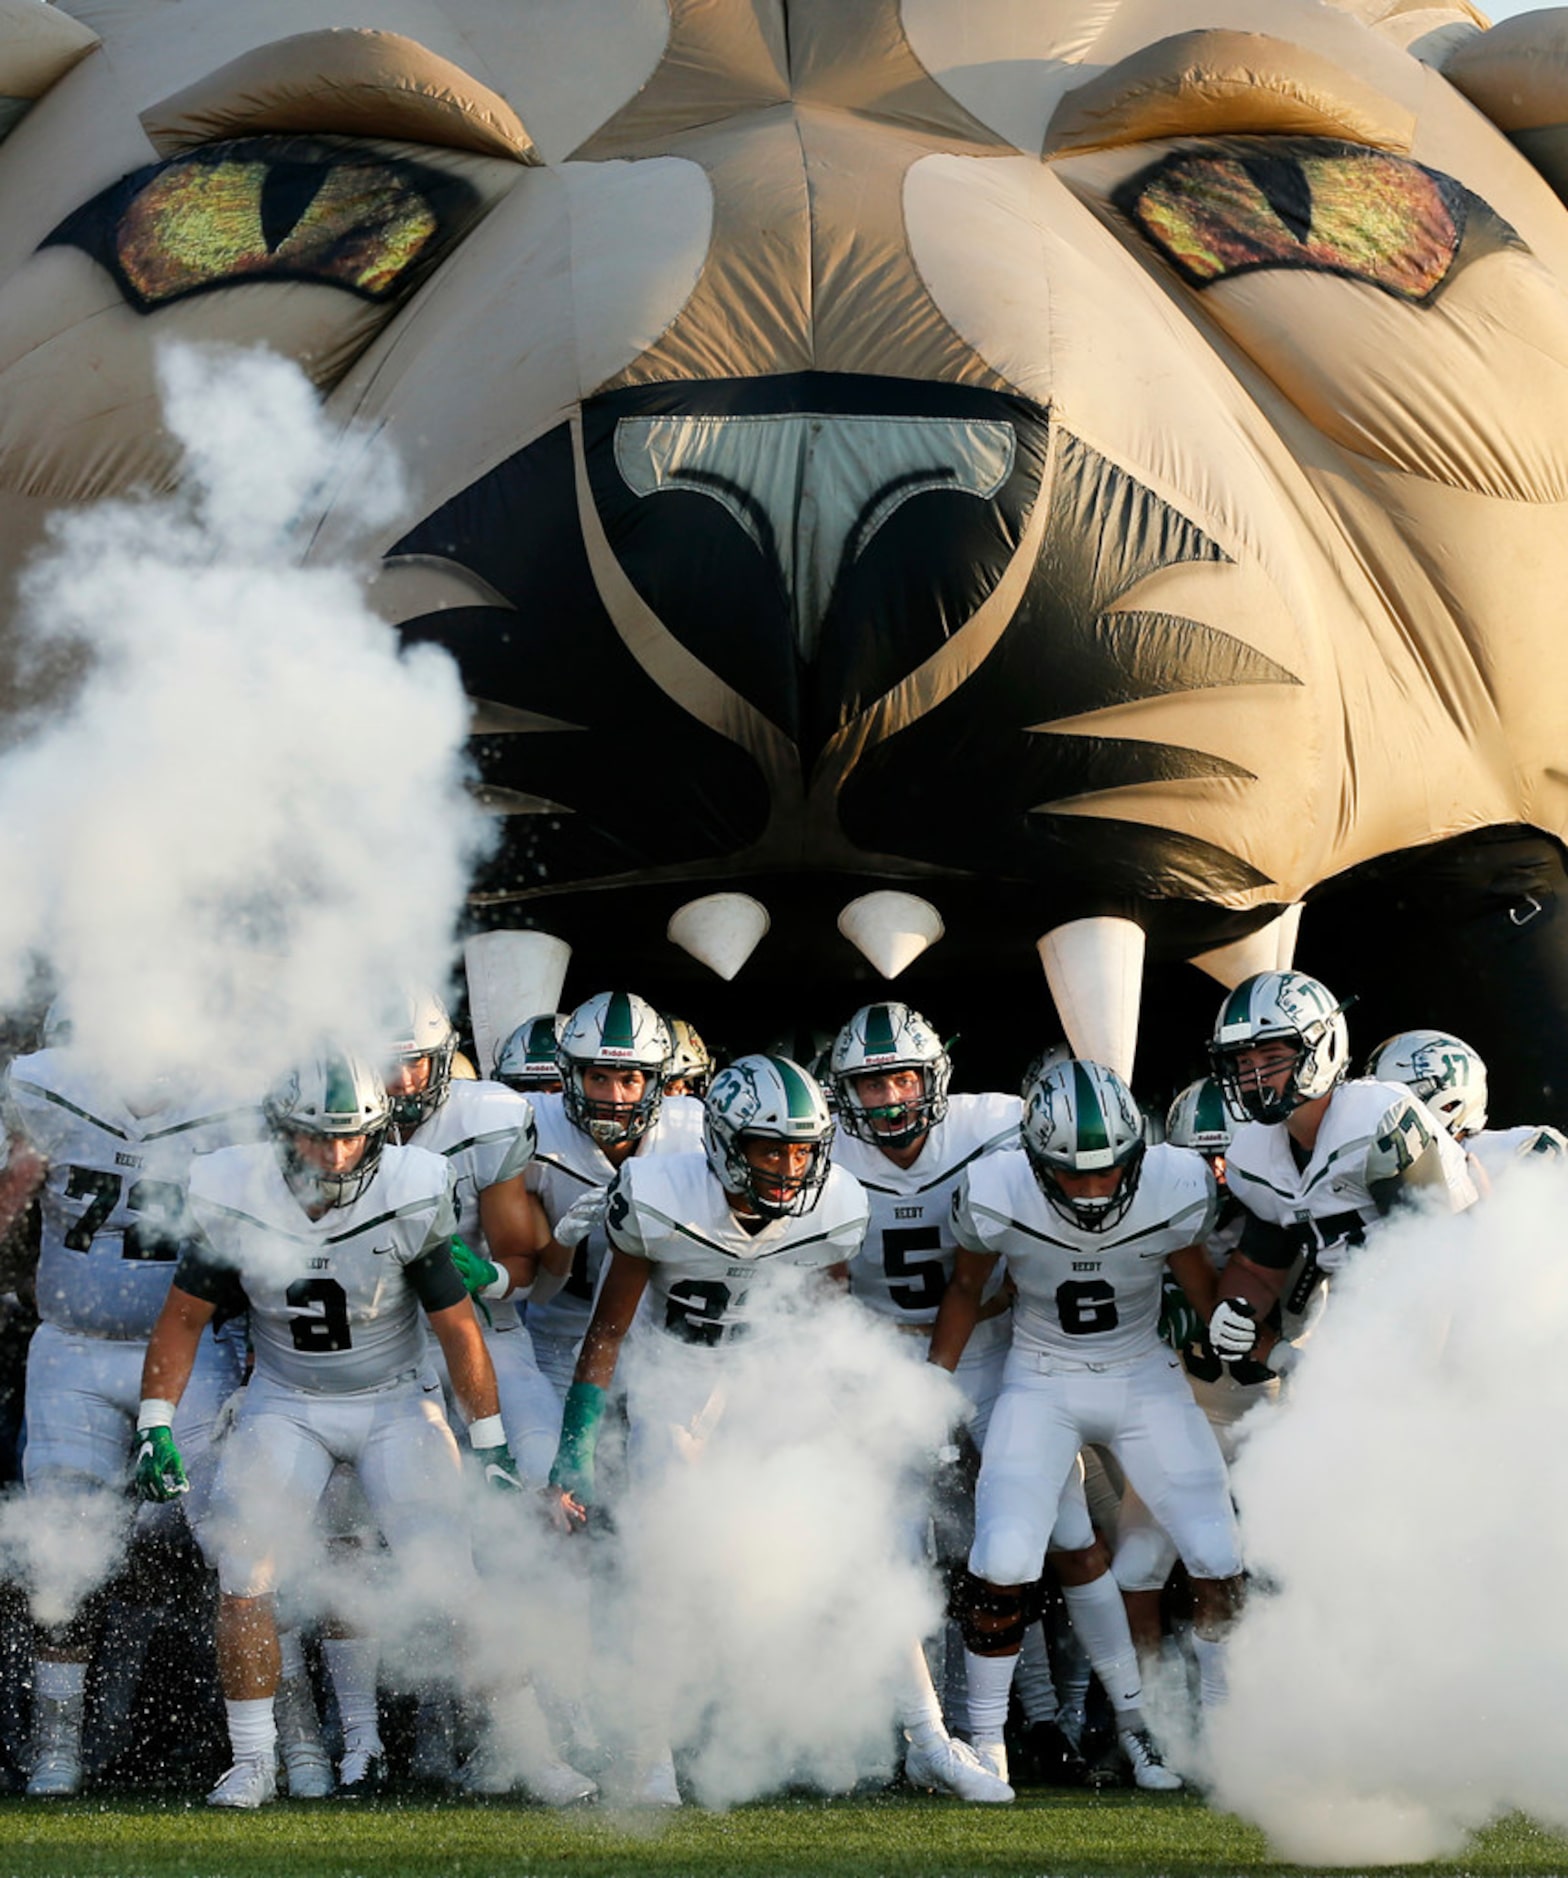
(424, 1033)
(1286, 1009)
(879, 1040)
(766, 1098)
(526, 1060)
(1439, 1069)
(1080, 1119)
(332, 1097)
(614, 1031)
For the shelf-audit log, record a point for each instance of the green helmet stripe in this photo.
(797, 1090)
(617, 1032)
(341, 1096)
(879, 1031)
(1239, 1006)
(1092, 1132)
(1211, 1117)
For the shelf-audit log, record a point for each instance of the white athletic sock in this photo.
(919, 1713)
(58, 1682)
(1036, 1690)
(352, 1663)
(1100, 1619)
(291, 1655)
(990, 1684)
(253, 1733)
(1213, 1682)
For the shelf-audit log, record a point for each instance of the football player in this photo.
(1315, 1160)
(701, 1236)
(336, 1242)
(1088, 1220)
(114, 1164)
(526, 1059)
(907, 1140)
(485, 1134)
(614, 1053)
(1198, 1119)
(1450, 1078)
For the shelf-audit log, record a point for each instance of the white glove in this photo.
(1233, 1329)
(1334, 1256)
(581, 1217)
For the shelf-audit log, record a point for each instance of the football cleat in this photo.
(955, 1767)
(1052, 1759)
(556, 1784)
(249, 1783)
(656, 1783)
(1148, 1769)
(362, 1771)
(57, 1750)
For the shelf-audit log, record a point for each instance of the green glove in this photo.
(573, 1468)
(160, 1473)
(477, 1274)
(473, 1267)
(499, 1469)
(1180, 1323)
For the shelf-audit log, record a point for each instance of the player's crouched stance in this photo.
(704, 1236)
(1087, 1220)
(335, 1242)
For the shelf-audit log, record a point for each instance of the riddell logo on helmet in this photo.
(884, 1056)
(612, 1053)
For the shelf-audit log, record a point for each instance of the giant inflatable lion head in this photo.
(1097, 466)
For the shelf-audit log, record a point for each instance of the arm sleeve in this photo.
(1273, 1247)
(621, 1224)
(202, 1274)
(435, 1278)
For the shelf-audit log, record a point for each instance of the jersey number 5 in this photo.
(914, 1284)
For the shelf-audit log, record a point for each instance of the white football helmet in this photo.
(613, 1030)
(689, 1061)
(1081, 1118)
(526, 1060)
(771, 1097)
(1445, 1073)
(421, 1028)
(888, 1037)
(1199, 1119)
(1271, 1007)
(330, 1096)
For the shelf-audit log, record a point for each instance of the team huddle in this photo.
(356, 1320)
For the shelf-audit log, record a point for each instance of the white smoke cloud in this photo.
(1402, 1684)
(250, 821)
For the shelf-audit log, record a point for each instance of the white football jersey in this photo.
(113, 1199)
(907, 1258)
(333, 1307)
(568, 1164)
(1092, 1297)
(1498, 1149)
(1368, 1132)
(707, 1268)
(485, 1134)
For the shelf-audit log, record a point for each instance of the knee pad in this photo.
(992, 1620)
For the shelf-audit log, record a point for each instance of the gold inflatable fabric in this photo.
(1093, 449)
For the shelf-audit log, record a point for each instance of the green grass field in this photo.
(1055, 1834)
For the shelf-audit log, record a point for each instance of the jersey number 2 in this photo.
(320, 1320)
